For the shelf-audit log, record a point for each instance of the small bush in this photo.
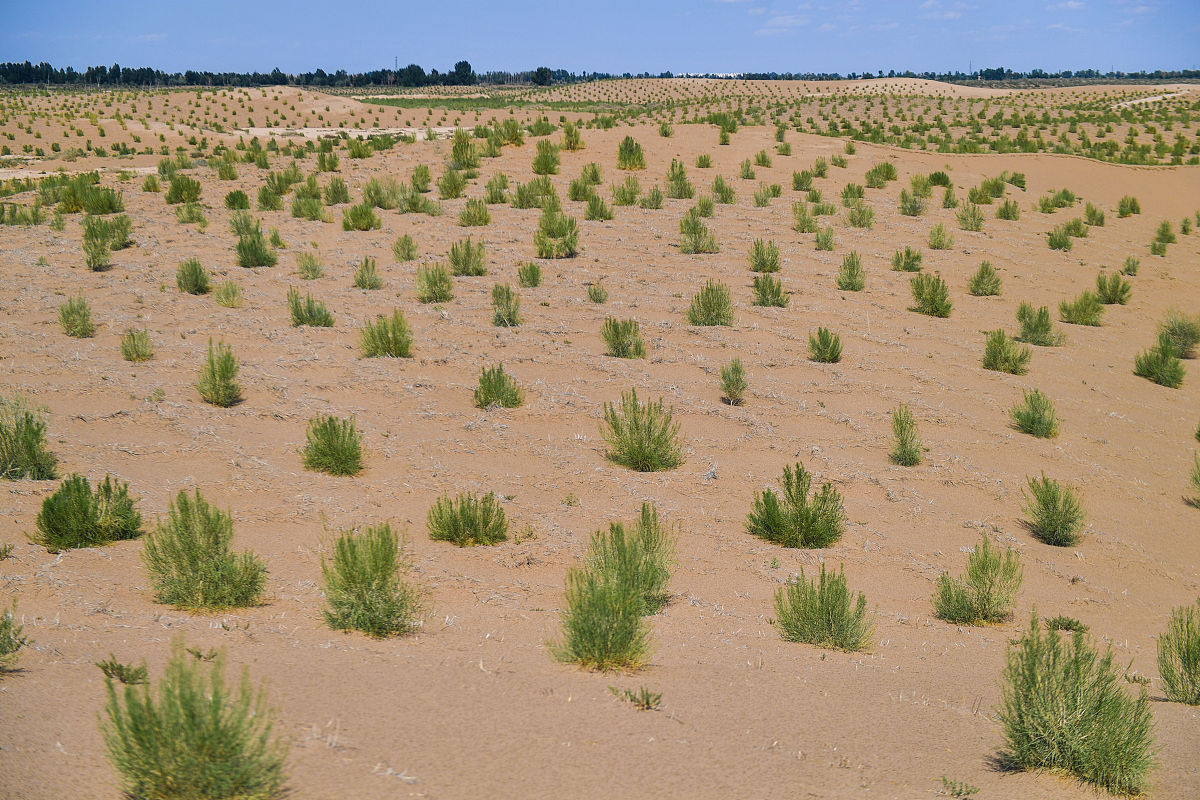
(361, 217)
(1128, 206)
(1113, 289)
(182, 189)
(768, 291)
(907, 450)
(1163, 234)
(678, 186)
(229, 295)
(824, 347)
(387, 337)
(1130, 266)
(218, 384)
(653, 199)
(1003, 354)
(253, 250)
(434, 284)
(196, 738)
(75, 317)
(529, 275)
(468, 520)
(850, 277)
(948, 198)
(76, 516)
(1063, 708)
(597, 294)
(824, 240)
(366, 276)
(136, 346)
(823, 612)
(711, 306)
(1035, 415)
(723, 192)
(985, 282)
(308, 311)
(189, 560)
(1093, 216)
(603, 625)
(506, 306)
(557, 235)
(269, 200)
(1054, 512)
(192, 278)
(1059, 239)
(497, 389)
(627, 193)
(985, 594)
(695, 236)
(365, 587)
(334, 446)
(1036, 326)
(597, 209)
(931, 296)
(799, 521)
(237, 201)
(336, 192)
(309, 266)
(404, 249)
(641, 436)
(1179, 656)
(861, 216)
(1009, 210)
(496, 190)
(1083, 310)
(474, 214)
(639, 558)
(939, 239)
(733, 382)
(907, 260)
(764, 256)
(910, 204)
(23, 452)
(1183, 331)
(623, 338)
(545, 160)
(11, 640)
(1160, 364)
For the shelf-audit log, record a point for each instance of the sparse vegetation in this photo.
(641, 436)
(334, 446)
(387, 337)
(906, 450)
(623, 338)
(823, 612)
(1179, 655)
(1003, 354)
(986, 592)
(1054, 514)
(798, 520)
(467, 520)
(78, 516)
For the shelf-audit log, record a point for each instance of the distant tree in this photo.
(541, 76)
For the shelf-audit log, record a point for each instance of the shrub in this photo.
(824, 347)
(733, 382)
(860, 216)
(1003, 354)
(192, 278)
(386, 337)
(910, 204)
(1059, 239)
(97, 243)
(948, 198)
(970, 218)
(75, 317)
(1093, 216)
(623, 338)
(474, 214)
(182, 189)
(237, 201)
(799, 521)
(11, 640)
(746, 170)
(641, 436)
(1075, 228)
(695, 236)
(190, 563)
(850, 277)
(1130, 266)
(76, 516)
(802, 181)
(603, 626)
(723, 192)
(639, 558)
(366, 276)
(253, 251)
(196, 738)
(434, 284)
(310, 208)
(218, 384)
(985, 594)
(529, 275)
(1163, 234)
(678, 186)
(939, 239)
(597, 209)
(768, 291)
(506, 306)
(805, 221)
(1036, 327)
(1054, 512)
(764, 256)
(1009, 210)
(1194, 479)
(597, 294)
(1083, 310)
(907, 260)
(336, 192)
(907, 450)
(1113, 289)
(468, 520)
(497, 389)
(229, 295)
(1035, 415)
(1179, 656)
(151, 184)
(712, 305)
(496, 190)
(269, 200)
(652, 199)
(572, 141)
(1127, 206)
(23, 452)
(627, 193)
(985, 282)
(361, 217)
(545, 160)
(136, 346)
(308, 311)
(1183, 331)
(557, 235)
(1160, 364)
(334, 446)
(931, 295)
(703, 161)
(309, 266)
(823, 612)
(364, 585)
(1063, 709)
(879, 174)
(824, 240)
(404, 249)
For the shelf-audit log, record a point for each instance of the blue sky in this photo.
(615, 36)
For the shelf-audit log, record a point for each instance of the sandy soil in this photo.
(473, 705)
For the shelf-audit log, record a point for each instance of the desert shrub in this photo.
(506, 306)
(906, 260)
(802, 181)
(590, 174)
(1036, 326)
(1063, 708)
(712, 305)
(623, 338)
(76, 516)
(852, 194)
(820, 167)
(762, 159)
(1083, 310)
(308, 311)
(850, 277)
(11, 640)
(764, 256)
(136, 346)
(336, 192)
(23, 452)
(557, 235)
(985, 282)
(985, 593)
(451, 184)
(1183, 331)
(1194, 478)
(939, 239)
(694, 235)
(545, 160)
(361, 217)
(387, 337)
(1054, 513)
(597, 209)
(921, 186)
(310, 208)
(762, 196)
(1160, 364)
(861, 216)
(1163, 234)
(678, 186)
(746, 170)
(364, 585)
(824, 347)
(768, 291)
(1075, 228)
(474, 214)
(1093, 216)
(218, 384)
(366, 276)
(190, 563)
(1113, 289)
(237, 200)
(641, 436)
(823, 612)
(703, 161)
(228, 294)
(948, 198)
(529, 275)
(1158, 249)
(421, 178)
(1179, 656)
(151, 184)
(190, 213)
(269, 200)
(799, 520)
(497, 389)
(653, 199)
(1059, 239)
(496, 189)
(723, 192)
(930, 295)
(907, 450)
(910, 204)
(597, 294)
(1130, 265)
(309, 266)
(805, 222)
(75, 317)
(97, 243)
(627, 193)
(580, 190)
(733, 382)
(1003, 354)
(1128, 206)
(1009, 210)
(192, 278)
(572, 140)
(824, 240)
(639, 558)
(434, 284)
(333, 446)
(1035, 415)
(253, 250)
(467, 520)
(603, 625)
(705, 206)
(194, 737)
(182, 189)
(404, 249)
(467, 258)
(970, 218)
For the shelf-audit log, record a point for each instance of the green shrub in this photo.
(497, 389)
(97, 244)
(824, 347)
(623, 338)
(23, 452)
(269, 200)
(1009, 210)
(1113, 289)
(1093, 216)
(336, 192)
(572, 140)
(365, 588)
(404, 249)
(1163, 234)
(361, 217)
(1083, 310)
(196, 738)
(1127, 206)
(434, 284)
(1003, 354)
(421, 178)
(850, 277)
(468, 520)
(985, 282)
(597, 294)
(229, 295)
(723, 192)
(1063, 708)
(76, 516)
(861, 216)
(474, 214)
(703, 161)
(970, 218)
(496, 190)
(1036, 326)
(218, 384)
(805, 222)
(695, 236)
(712, 305)
(768, 291)
(308, 311)
(639, 558)
(253, 251)
(309, 266)
(11, 640)
(387, 337)
(910, 204)
(1179, 656)
(192, 278)
(1075, 228)
(1160, 364)
(182, 189)
(75, 317)
(799, 521)
(506, 306)
(733, 382)
(136, 346)
(802, 181)
(678, 186)
(907, 260)
(151, 184)
(1059, 239)
(907, 450)
(1130, 266)
(189, 560)
(1054, 512)
(1183, 331)
(930, 295)
(823, 612)
(824, 240)
(1035, 415)
(627, 193)
(985, 594)
(557, 235)
(641, 436)
(580, 191)
(236, 200)
(603, 625)
(334, 446)
(597, 209)
(764, 256)
(948, 198)
(545, 160)
(590, 174)
(939, 239)
(529, 275)
(366, 276)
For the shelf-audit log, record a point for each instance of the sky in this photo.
(615, 36)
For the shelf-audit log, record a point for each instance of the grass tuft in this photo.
(468, 520)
